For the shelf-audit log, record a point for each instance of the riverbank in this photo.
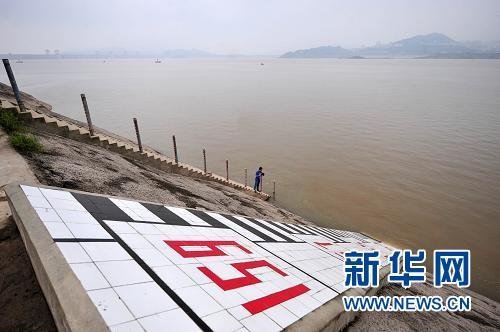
(71, 164)
(22, 304)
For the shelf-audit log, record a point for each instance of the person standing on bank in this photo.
(258, 177)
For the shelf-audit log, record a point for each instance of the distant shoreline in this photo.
(14, 57)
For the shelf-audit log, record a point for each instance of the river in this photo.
(407, 151)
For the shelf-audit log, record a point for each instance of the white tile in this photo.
(31, 191)
(130, 212)
(340, 287)
(135, 210)
(309, 301)
(261, 270)
(227, 299)
(120, 273)
(64, 204)
(110, 307)
(86, 231)
(132, 326)
(143, 228)
(48, 215)
(251, 292)
(38, 202)
(136, 241)
(188, 216)
(73, 252)
(225, 271)
(76, 217)
(281, 315)
(166, 229)
(120, 227)
(172, 320)
(152, 257)
(222, 322)
(58, 230)
(105, 251)
(269, 276)
(260, 322)
(90, 277)
(145, 299)
(194, 273)
(173, 276)
(52, 193)
(325, 295)
(296, 307)
(268, 287)
(239, 312)
(198, 300)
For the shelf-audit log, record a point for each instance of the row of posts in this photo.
(20, 103)
(176, 156)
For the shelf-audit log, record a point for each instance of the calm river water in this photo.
(407, 151)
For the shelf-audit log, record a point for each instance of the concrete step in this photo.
(34, 115)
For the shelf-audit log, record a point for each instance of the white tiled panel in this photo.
(169, 268)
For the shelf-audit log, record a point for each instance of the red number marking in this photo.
(324, 244)
(269, 301)
(248, 279)
(214, 250)
(337, 252)
(254, 306)
(340, 254)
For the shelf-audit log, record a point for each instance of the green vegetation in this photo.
(25, 142)
(10, 122)
(19, 138)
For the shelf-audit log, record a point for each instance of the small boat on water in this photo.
(19, 61)
(157, 61)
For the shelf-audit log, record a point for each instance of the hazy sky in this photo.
(235, 26)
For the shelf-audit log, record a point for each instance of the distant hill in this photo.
(428, 46)
(434, 43)
(320, 52)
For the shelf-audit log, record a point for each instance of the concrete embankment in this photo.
(54, 123)
(77, 165)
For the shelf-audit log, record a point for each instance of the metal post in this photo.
(274, 190)
(227, 170)
(204, 161)
(87, 114)
(13, 84)
(246, 177)
(138, 135)
(175, 150)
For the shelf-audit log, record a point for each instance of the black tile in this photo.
(207, 218)
(165, 214)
